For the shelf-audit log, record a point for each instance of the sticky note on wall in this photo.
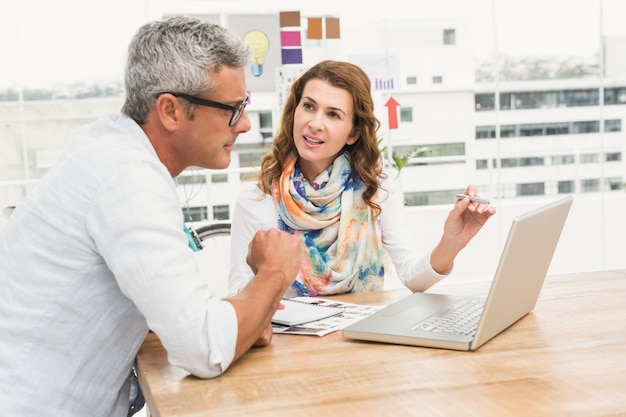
(332, 28)
(314, 28)
(291, 56)
(290, 38)
(289, 19)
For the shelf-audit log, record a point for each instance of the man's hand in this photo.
(273, 250)
(275, 258)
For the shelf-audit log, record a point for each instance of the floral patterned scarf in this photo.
(344, 247)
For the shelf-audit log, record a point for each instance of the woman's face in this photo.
(322, 126)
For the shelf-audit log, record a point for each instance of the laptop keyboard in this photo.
(461, 317)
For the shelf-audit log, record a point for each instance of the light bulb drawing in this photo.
(260, 43)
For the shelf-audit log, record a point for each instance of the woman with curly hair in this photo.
(323, 181)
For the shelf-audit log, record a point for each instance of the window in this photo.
(265, 125)
(553, 99)
(250, 159)
(521, 162)
(482, 163)
(613, 156)
(217, 178)
(536, 188)
(562, 128)
(220, 212)
(566, 187)
(615, 96)
(265, 120)
(194, 178)
(557, 129)
(614, 125)
(531, 130)
(509, 162)
(507, 131)
(562, 159)
(437, 79)
(484, 102)
(614, 183)
(527, 100)
(406, 114)
(485, 132)
(576, 98)
(505, 101)
(590, 185)
(195, 214)
(411, 80)
(438, 149)
(586, 127)
(447, 149)
(426, 198)
(588, 158)
(449, 36)
(416, 199)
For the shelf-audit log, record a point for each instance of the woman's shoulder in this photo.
(251, 195)
(256, 206)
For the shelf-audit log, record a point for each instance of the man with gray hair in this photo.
(96, 255)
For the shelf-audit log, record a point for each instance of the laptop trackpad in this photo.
(419, 305)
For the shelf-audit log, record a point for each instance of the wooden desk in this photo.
(566, 358)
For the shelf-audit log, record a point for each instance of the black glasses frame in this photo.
(237, 111)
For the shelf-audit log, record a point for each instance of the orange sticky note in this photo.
(314, 28)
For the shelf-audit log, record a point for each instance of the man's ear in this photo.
(169, 111)
(354, 136)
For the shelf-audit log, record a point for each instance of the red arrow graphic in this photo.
(392, 112)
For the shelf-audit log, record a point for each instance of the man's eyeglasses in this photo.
(237, 111)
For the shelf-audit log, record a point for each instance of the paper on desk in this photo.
(352, 313)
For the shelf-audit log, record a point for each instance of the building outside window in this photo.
(190, 179)
(592, 126)
(614, 125)
(562, 159)
(195, 214)
(566, 187)
(589, 158)
(613, 157)
(219, 178)
(221, 212)
(615, 96)
(614, 183)
(485, 132)
(590, 185)
(265, 124)
(449, 37)
(484, 102)
(537, 188)
(406, 114)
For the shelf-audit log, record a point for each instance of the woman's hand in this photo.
(463, 223)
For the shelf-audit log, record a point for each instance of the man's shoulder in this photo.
(113, 139)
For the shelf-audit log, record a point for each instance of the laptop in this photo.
(431, 320)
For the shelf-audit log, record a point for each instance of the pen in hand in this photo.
(474, 199)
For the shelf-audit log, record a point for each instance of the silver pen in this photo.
(474, 199)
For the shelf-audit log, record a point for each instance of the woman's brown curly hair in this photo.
(365, 155)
